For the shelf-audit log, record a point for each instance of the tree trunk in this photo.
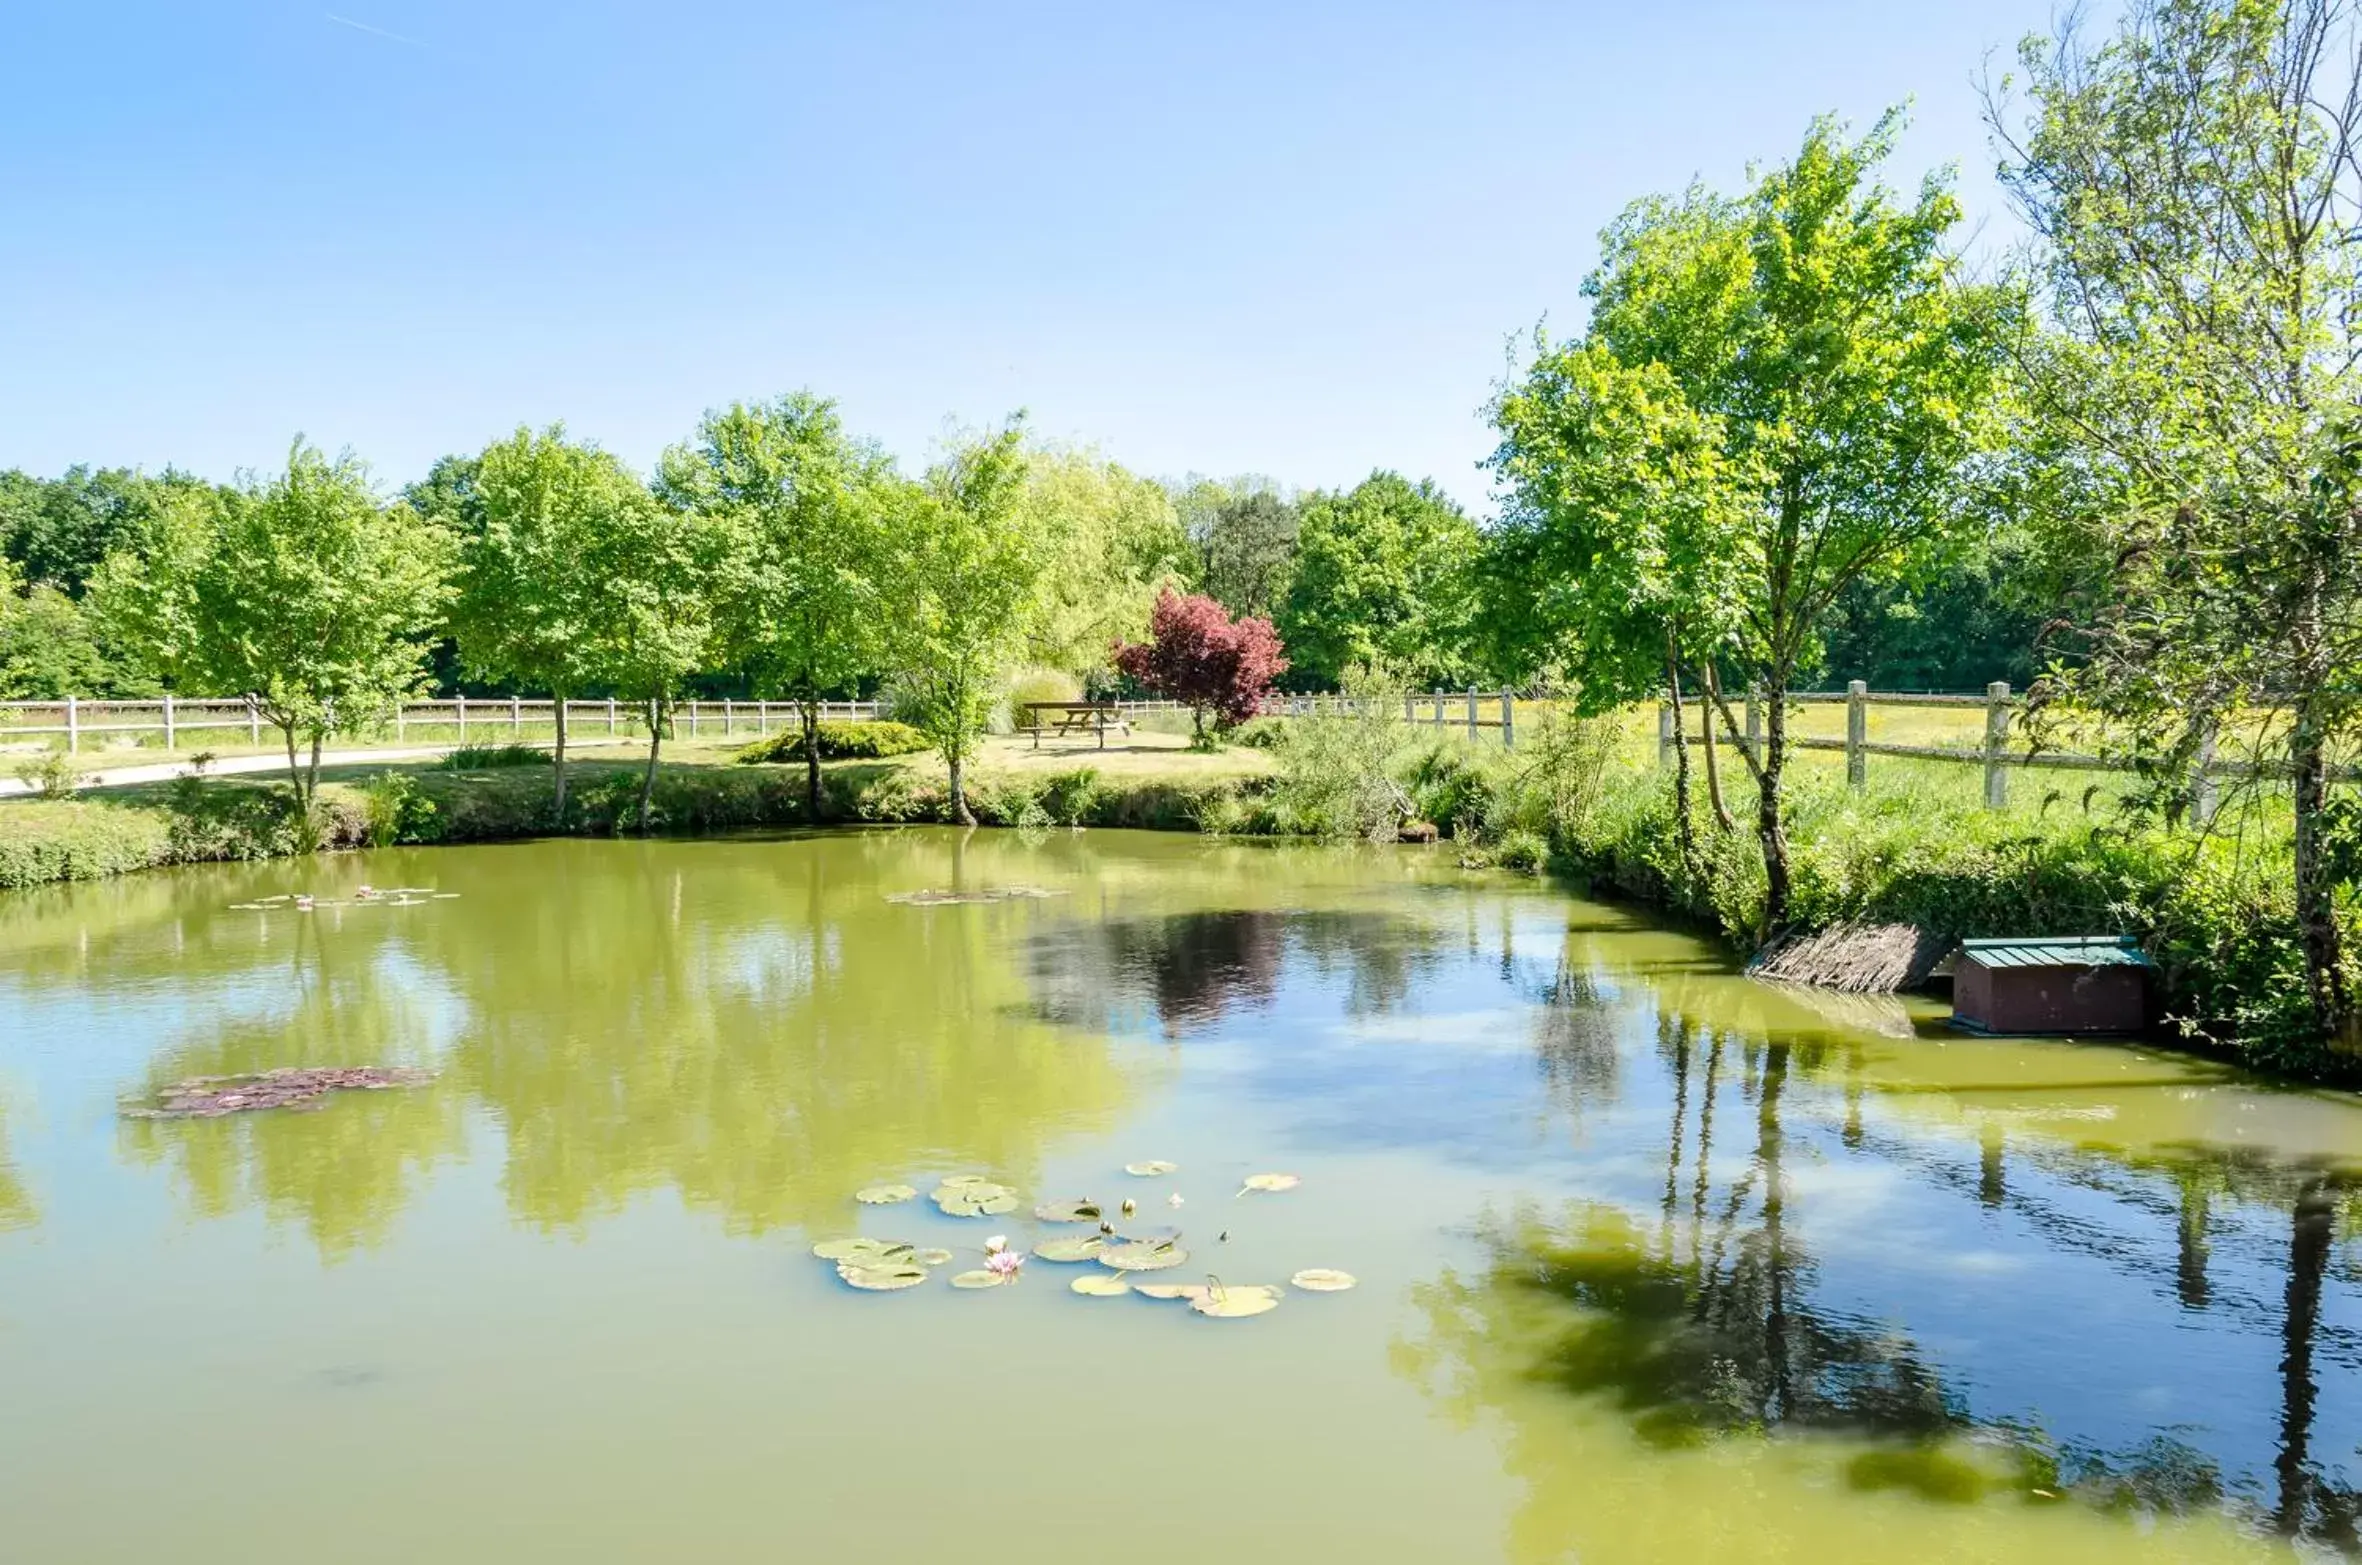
(1684, 832)
(959, 795)
(809, 713)
(311, 781)
(1713, 765)
(1771, 828)
(655, 744)
(2313, 1231)
(295, 771)
(558, 763)
(2316, 896)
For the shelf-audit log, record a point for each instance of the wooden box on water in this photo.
(2063, 984)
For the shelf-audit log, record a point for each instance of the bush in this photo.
(1336, 770)
(53, 774)
(485, 757)
(838, 741)
(1260, 733)
(396, 811)
(1522, 851)
(1038, 684)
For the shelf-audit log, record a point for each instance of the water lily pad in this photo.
(1151, 1169)
(1236, 1303)
(980, 1199)
(1142, 1257)
(863, 1252)
(1077, 1211)
(1169, 1290)
(1098, 1285)
(1320, 1279)
(885, 1195)
(1157, 1234)
(1067, 1251)
(979, 1278)
(954, 1181)
(882, 1279)
(1271, 1182)
(931, 1257)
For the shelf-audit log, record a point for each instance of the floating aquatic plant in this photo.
(865, 1252)
(967, 1195)
(1272, 1183)
(1098, 1285)
(885, 1195)
(1067, 1251)
(1234, 1303)
(210, 1097)
(1321, 1279)
(1168, 1290)
(1152, 1168)
(1078, 1211)
(1143, 1256)
(980, 1278)
(882, 1279)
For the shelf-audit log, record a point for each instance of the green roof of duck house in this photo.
(2058, 951)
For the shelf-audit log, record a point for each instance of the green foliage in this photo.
(49, 649)
(301, 591)
(58, 531)
(967, 559)
(483, 757)
(838, 741)
(1243, 531)
(1382, 575)
(1337, 770)
(52, 773)
(1113, 538)
(1039, 684)
(397, 811)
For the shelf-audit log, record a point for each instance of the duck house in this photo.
(2059, 984)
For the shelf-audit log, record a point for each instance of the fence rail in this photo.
(1993, 754)
(467, 717)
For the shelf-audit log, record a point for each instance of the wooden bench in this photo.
(1065, 719)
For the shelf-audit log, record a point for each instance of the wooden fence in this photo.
(463, 719)
(1992, 753)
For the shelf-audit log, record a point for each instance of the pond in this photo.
(1654, 1263)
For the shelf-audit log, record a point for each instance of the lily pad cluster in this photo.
(210, 1097)
(1118, 1261)
(366, 896)
(972, 1195)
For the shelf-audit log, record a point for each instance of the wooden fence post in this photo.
(1508, 721)
(253, 721)
(169, 735)
(1410, 707)
(516, 715)
(73, 726)
(610, 717)
(401, 721)
(692, 719)
(1857, 734)
(2205, 797)
(1755, 722)
(1664, 736)
(1472, 711)
(729, 716)
(1996, 736)
(462, 700)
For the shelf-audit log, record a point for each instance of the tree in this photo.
(1244, 532)
(302, 592)
(1624, 526)
(1116, 542)
(532, 605)
(801, 606)
(1198, 655)
(47, 648)
(967, 562)
(666, 568)
(2194, 184)
(1852, 373)
(59, 530)
(1381, 577)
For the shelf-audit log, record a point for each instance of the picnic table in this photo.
(1066, 718)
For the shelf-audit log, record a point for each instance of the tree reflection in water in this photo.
(16, 1202)
(1710, 1319)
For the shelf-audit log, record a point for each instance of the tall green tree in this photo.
(303, 592)
(1618, 552)
(800, 607)
(59, 530)
(963, 589)
(1381, 577)
(2193, 180)
(1115, 540)
(532, 605)
(667, 569)
(1851, 368)
(48, 649)
(1244, 533)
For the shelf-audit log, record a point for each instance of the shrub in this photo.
(1522, 851)
(838, 741)
(53, 774)
(485, 757)
(1068, 798)
(1038, 684)
(396, 811)
(1336, 769)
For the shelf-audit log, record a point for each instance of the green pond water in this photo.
(1655, 1263)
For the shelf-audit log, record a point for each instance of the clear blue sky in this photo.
(1289, 238)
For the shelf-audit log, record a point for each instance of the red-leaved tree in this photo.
(1198, 655)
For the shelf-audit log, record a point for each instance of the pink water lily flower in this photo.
(1004, 1264)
